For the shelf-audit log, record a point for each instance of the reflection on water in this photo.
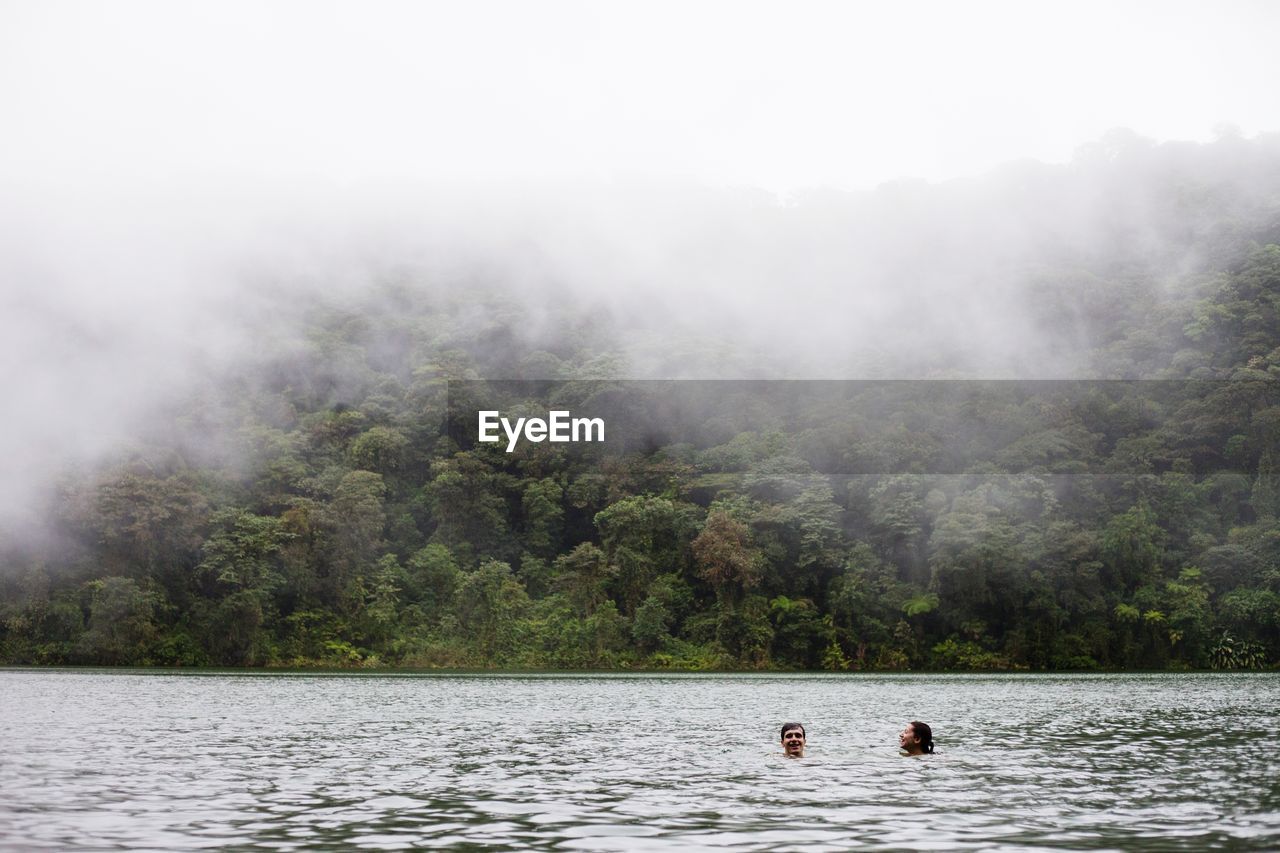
(170, 761)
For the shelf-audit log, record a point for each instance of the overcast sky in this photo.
(767, 94)
(157, 158)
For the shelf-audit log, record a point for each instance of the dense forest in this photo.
(324, 502)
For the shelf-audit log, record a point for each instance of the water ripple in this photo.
(286, 762)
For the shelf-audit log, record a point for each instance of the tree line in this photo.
(327, 508)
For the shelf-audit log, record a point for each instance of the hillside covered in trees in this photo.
(318, 503)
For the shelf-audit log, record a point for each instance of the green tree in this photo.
(1131, 545)
(466, 505)
(543, 516)
(121, 626)
(726, 559)
(382, 450)
(382, 608)
(355, 519)
(492, 607)
(643, 536)
(433, 579)
(582, 575)
(241, 568)
(149, 527)
(1266, 488)
(800, 633)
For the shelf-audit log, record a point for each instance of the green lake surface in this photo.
(170, 761)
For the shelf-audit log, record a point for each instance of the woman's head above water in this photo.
(916, 738)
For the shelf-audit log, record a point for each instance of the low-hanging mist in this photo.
(175, 359)
(139, 300)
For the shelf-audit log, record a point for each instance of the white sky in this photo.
(775, 95)
(153, 153)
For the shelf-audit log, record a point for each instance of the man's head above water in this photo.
(793, 739)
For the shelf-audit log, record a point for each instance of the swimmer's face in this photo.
(793, 742)
(907, 739)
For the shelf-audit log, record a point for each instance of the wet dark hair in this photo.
(922, 731)
(786, 727)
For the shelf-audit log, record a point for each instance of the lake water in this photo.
(603, 762)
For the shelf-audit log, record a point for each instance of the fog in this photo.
(759, 94)
(738, 189)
